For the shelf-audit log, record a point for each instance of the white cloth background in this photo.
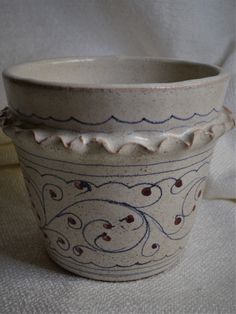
(202, 30)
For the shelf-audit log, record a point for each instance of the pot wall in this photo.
(114, 218)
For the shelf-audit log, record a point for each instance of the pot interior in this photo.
(111, 70)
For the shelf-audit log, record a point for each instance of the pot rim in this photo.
(12, 74)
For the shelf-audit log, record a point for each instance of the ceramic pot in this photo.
(115, 198)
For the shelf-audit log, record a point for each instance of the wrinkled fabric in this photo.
(204, 282)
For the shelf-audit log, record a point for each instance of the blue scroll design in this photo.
(72, 215)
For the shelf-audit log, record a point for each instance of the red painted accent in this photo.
(107, 226)
(106, 237)
(52, 193)
(78, 250)
(129, 219)
(178, 183)
(178, 220)
(71, 221)
(79, 185)
(146, 191)
(60, 240)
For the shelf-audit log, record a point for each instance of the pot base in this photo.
(134, 272)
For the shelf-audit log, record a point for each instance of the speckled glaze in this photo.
(113, 94)
(115, 163)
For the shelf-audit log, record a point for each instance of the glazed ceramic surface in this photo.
(116, 94)
(113, 210)
(115, 205)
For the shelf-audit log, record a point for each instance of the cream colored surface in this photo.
(204, 282)
(29, 278)
(130, 220)
(182, 92)
(173, 140)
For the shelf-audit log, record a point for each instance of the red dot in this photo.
(129, 219)
(106, 237)
(78, 251)
(71, 221)
(52, 193)
(146, 191)
(178, 183)
(178, 220)
(154, 246)
(79, 185)
(61, 241)
(199, 193)
(107, 226)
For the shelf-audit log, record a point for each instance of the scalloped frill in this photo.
(152, 141)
